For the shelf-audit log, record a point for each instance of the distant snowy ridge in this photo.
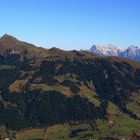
(132, 52)
(108, 50)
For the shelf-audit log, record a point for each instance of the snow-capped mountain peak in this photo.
(132, 52)
(108, 50)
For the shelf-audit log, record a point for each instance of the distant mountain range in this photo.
(132, 52)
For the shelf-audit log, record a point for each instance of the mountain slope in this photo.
(52, 86)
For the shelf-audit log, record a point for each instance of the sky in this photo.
(72, 24)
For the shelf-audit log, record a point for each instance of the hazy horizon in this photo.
(72, 24)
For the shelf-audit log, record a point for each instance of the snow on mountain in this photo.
(108, 50)
(132, 52)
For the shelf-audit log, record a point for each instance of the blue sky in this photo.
(72, 24)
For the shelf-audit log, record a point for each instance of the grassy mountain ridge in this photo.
(42, 87)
